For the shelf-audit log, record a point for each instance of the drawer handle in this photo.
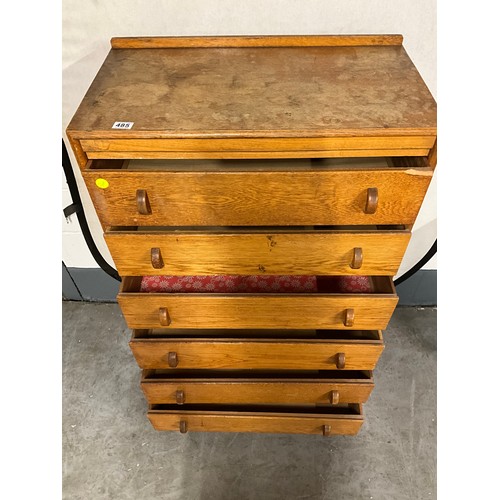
(335, 396)
(371, 201)
(180, 397)
(173, 361)
(357, 258)
(156, 258)
(340, 361)
(349, 317)
(143, 206)
(183, 427)
(164, 317)
(327, 429)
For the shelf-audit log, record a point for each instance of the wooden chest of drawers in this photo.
(223, 158)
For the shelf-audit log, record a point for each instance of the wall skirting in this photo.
(419, 290)
(69, 289)
(94, 285)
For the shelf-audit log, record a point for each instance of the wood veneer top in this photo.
(257, 92)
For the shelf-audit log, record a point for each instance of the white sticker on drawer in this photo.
(123, 125)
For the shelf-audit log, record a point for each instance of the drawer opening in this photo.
(107, 164)
(258, 376)
(204, 230)
(350, 336)
(251, 285)
(259, 165)
(348, 409)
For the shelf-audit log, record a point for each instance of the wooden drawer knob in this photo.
(156, 258)
(173, 361)
(371, 201)
(164, 316)
(327, 429)
(143, 206)
(349, 317)
(180, 397)
(357, 258)
(340, 361)
(335, 396)
(183, 427)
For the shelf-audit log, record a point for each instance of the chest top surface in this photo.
(268, 91)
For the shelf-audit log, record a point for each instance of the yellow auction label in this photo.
(102, 183)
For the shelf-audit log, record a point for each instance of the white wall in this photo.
(88, 27)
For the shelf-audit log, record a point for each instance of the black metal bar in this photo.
(426, 258)
(78, 209)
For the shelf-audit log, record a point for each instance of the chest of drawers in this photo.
(257, 203)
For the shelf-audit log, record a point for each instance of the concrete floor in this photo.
(110, 450)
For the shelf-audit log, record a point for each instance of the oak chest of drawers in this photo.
(226, 169)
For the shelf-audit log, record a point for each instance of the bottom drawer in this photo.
(228, 387)
(339, 419)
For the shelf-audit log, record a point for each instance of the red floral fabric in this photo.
(229, 284)
(251, 284)
(352, 284)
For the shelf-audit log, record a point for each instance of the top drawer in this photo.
(236, 194)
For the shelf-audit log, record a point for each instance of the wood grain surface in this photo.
(240, 147)
(260, 92)
(186, 253)
(289, 423)
(234, 391)
(270, 311)
(243, 198)
(254, 41)
(241, 144)
(251, 353)
(238, 155)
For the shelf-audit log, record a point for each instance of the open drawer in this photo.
(261, 350)
(244, 387)
(254, 192)
(327, 420)
(324, 309)
(275, 250)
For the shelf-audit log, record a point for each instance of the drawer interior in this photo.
(204, 230)
(259, 165)
(159, 375)
(353, 410)
(378, 285)
(242, 230)
(344, 336)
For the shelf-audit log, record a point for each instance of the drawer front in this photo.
(155, 310)
(252, 354)
(257, 198)
(241, 147)
(286, 423)
(287, 253)
(255, 392)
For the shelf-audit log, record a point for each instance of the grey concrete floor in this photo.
(110, 450)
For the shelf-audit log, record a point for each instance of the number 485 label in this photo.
(123, 125)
